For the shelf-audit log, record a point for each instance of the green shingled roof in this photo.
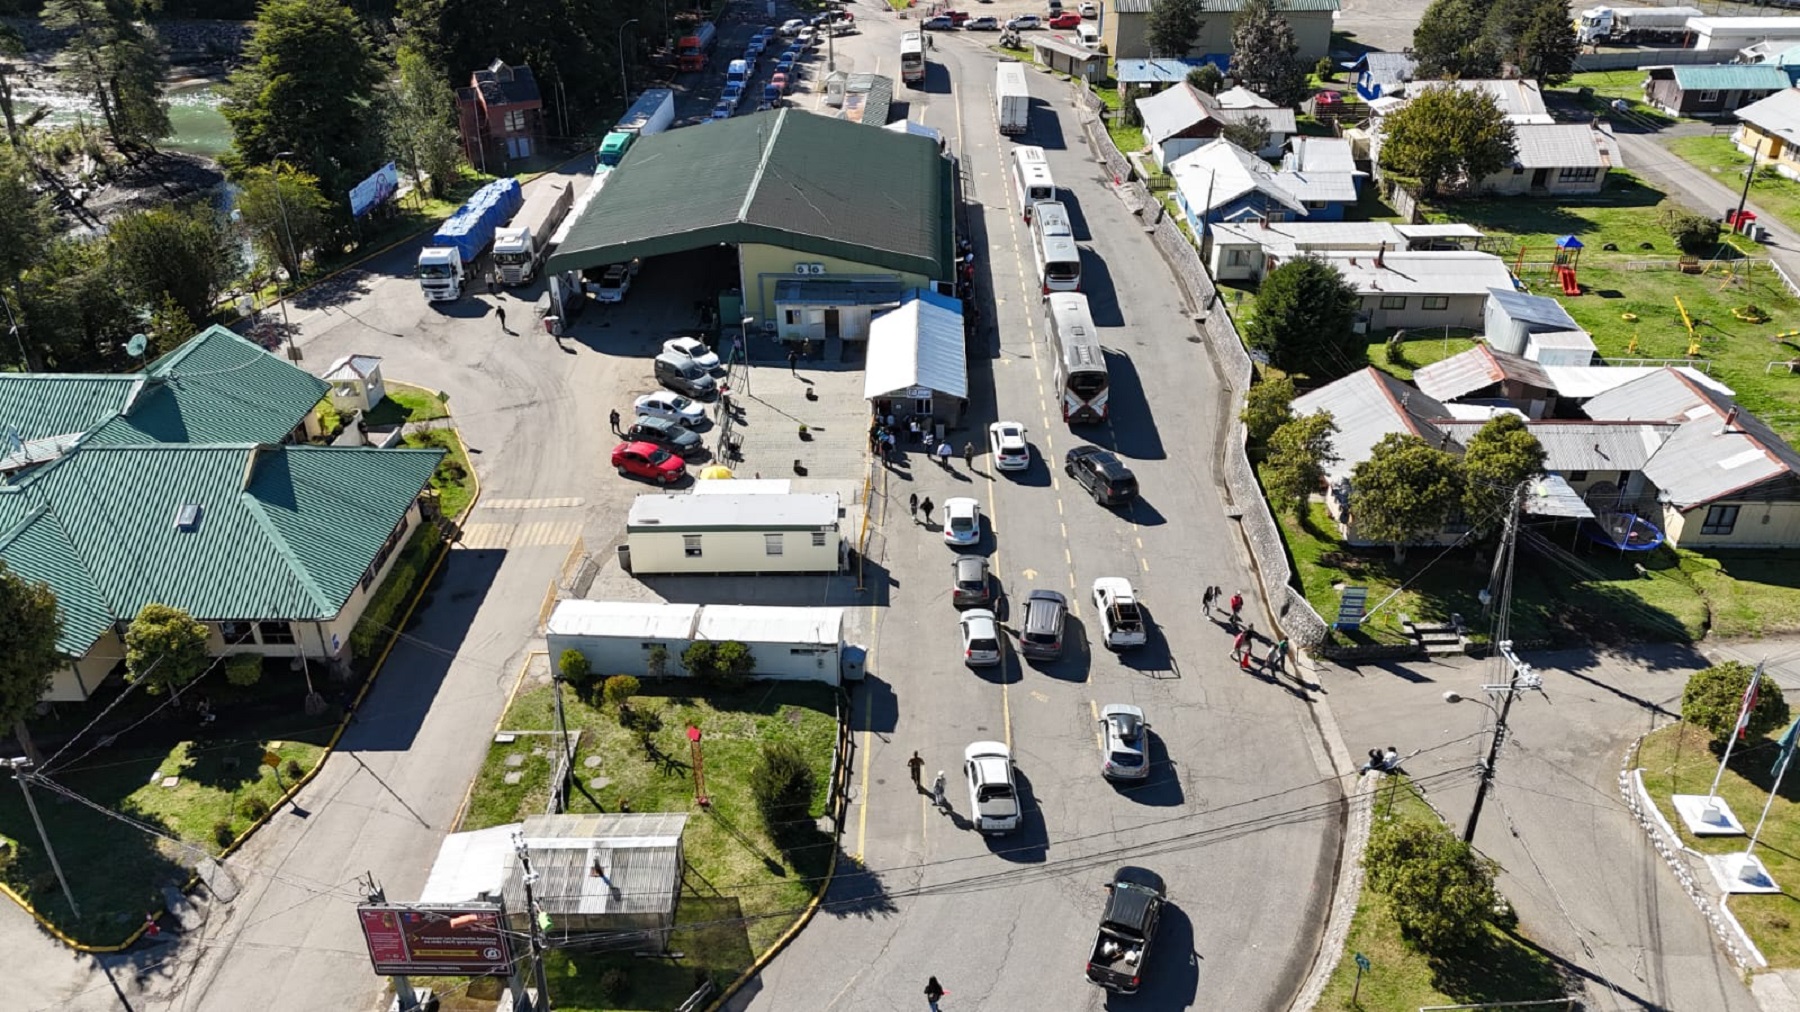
(786, 178)
(216, 388)
(285, 532)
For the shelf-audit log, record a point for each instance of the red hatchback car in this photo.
(1067, 19)
(647, 460)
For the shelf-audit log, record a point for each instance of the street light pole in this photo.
(293, 254)
(624, 83)
(20, 768)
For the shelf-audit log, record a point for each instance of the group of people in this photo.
(1243, 644)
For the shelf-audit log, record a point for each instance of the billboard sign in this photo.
(468, 939)
(376, 190)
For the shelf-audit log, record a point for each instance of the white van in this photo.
(1088, 35)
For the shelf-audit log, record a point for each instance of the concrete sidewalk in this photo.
(1579, 869)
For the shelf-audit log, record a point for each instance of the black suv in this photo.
(671, 436)
(1105, 477)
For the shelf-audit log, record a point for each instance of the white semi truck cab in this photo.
(442, 275)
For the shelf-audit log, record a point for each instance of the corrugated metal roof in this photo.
(1564, 145)
(1584, 446)
(1280, 121)
(354, 367)
(1284, 6)
(1132, 6)
(1321, 154)
(1240, 97)
(1172, 110)
(216, 388)
(1476, 369)
(623, 619)
(1436, 272)
(1304, 235)
(1778, 115)
(1226, 172)
(1731, 77)
(787, 178)
(1332, 187)
(284, 532)
(749, 511)
(1162, 70)
(1551, 496)
(920, 344)
(470, 866)
(1366, 406)
(1456, 230)
(1579, 382)
(1537, 312)
(42, 405)
(1074, 51)
(638, 856)
(1713, 452)
(759, 624)
(1521, 101)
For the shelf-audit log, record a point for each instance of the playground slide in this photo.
(1567, 276)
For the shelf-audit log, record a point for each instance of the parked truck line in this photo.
(652, 113)
(1634, 24)
(1012, 98)
(521, 246)
(448, 260)
(695, 47)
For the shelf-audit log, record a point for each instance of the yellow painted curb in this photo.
(463, 809)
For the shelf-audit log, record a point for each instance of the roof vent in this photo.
(188, 517)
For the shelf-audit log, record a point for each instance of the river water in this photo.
(199, 127)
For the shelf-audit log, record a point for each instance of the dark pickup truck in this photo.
(1127, 927)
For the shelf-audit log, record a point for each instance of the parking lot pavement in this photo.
(798, 421)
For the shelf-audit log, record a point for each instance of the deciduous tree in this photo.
(164, 648)
(420, 117)
(1714, 696)
(1305, 319)
(1173, 26)
(169, 326)
(1447, 137)
(76, 315)
(183, 252)
(1404, 491)
(1267, 407)
(30, 625)
(1207, 77)
(1500, 456)
(1441, 891)
(286, 215)
(1295, 466)
(1264, 55)
(1250, 133)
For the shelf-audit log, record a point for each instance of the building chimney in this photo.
(1353, 261)
(1730, 417)
(1378, 254)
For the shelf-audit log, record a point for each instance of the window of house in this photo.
(818, 539)
(1708, 96)
(690, 545)
(1316, 204)
(1578, 476)
(1578, 175)
(234, 632)
(515, 121)
(1437, 302)
(772, 544)
(1393, 302)
(275, 633)
(791, 317)
(1239, 258)
(1719, 520)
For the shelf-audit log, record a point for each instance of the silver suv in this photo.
(1041, 632)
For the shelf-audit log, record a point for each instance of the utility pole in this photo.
(1744, 196)
(22, 773)
(533, 918)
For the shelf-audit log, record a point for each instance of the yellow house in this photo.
(1127, 23)
(1769, 130)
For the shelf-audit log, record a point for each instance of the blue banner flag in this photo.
(1787, 746)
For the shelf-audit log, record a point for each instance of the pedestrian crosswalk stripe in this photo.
(561, 532)
(567, 502)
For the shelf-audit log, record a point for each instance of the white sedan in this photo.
(615, 281)
(962, 521)
(980, 637)
(674, 407)
(993, 800)
(791, 27)
(1127, 747)
(694, 348)
(1006, 441)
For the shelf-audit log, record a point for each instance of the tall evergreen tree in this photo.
(1448, 42)
(420, 117)
(1547, 46)
(120, 63)
(1173, 26)
(1264, 55)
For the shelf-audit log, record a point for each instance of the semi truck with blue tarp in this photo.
(447, 262)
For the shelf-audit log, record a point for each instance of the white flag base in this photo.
(1740, 873)
(1707, 816)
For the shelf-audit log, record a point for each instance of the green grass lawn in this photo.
(752, 889)
(115, 870)
(1747, 593)
(1504, 966)
(1602, 598)
(1421, 348)
(407, 403)
(454, 478)
(1679, 760)
(1776, 194)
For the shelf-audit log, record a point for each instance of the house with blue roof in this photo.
(189, 484)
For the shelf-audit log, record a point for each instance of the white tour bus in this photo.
(1053, 240)
(1031, 177)
(1080, 361)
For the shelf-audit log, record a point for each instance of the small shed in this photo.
(1066, 57)
(918, 364)
(610, 873)
(822, 308)
(617, 637)
(727, 531)
(1537, 327)
(470, 867)
(356, 383)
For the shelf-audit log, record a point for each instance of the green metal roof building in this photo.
(175, 486)
(799, 195)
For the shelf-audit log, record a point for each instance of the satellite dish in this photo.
(135, 347)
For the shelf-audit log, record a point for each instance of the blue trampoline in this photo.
(1627, 532)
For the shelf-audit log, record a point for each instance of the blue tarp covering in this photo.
(471, 228)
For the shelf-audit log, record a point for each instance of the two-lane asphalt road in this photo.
(1239, 815)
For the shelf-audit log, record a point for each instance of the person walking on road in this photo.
(793, 362)
(1237, 605)
(500, 313)
(912, 507)
(969, 455)
(925, 505)
(615, 420)
(917, 766)
(1238, 642)
(943, 454)
(934, 993)
(1278, 655)
(937, 790)
(1208, 597)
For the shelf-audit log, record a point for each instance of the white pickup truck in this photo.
(1122, 622)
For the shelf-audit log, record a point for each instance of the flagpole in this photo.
(1737, 728)
(1769, 803)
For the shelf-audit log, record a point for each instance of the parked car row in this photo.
(739, 74)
